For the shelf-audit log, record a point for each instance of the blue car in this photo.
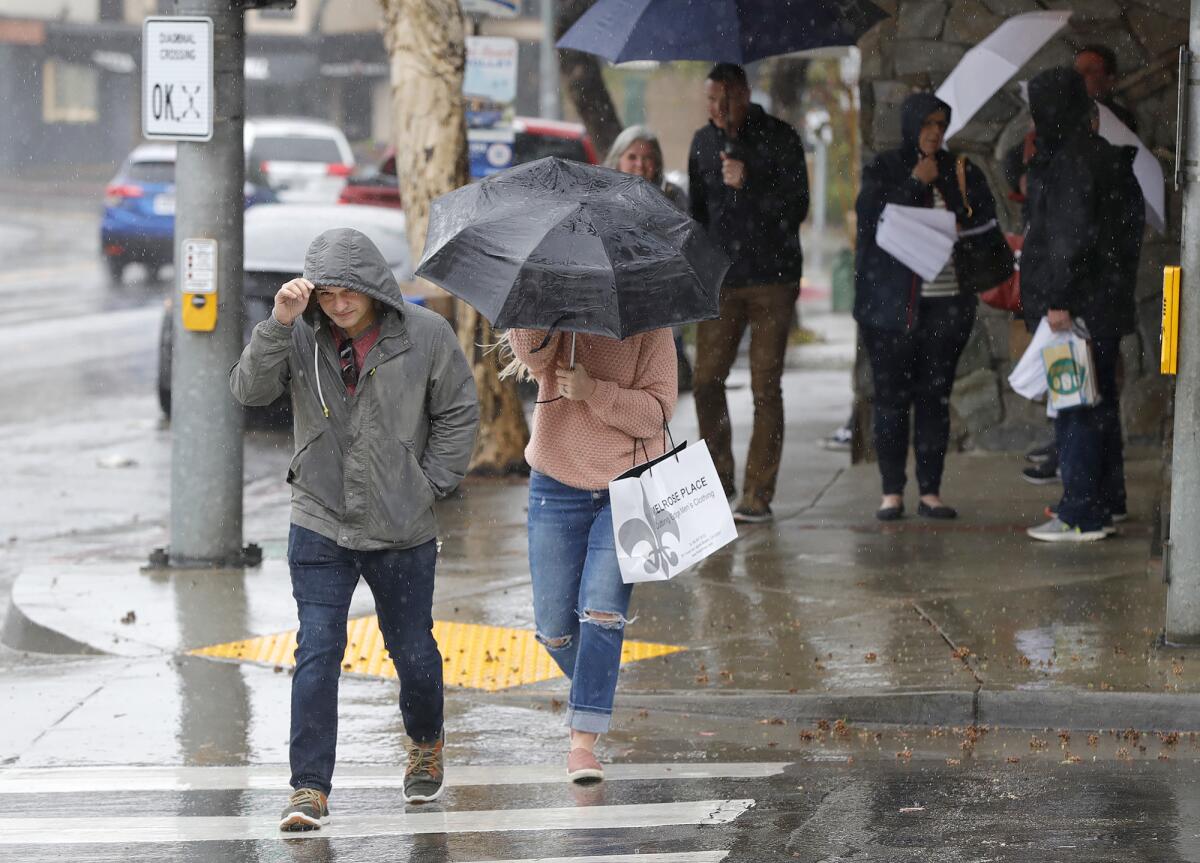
(139, 211)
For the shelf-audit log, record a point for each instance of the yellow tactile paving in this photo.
(475, 656)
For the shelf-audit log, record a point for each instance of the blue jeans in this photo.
(324, 576)
(1090, 451)
(573, 561)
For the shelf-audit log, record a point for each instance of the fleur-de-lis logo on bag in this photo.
(653, 530)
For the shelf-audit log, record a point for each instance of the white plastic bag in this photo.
(1028, 378)
(1031, 379)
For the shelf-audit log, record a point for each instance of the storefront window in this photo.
(70, 93)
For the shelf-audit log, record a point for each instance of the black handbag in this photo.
(982, 257)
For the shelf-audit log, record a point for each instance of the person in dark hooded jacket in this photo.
(1080, 261)
(385, 415)
(914, 331)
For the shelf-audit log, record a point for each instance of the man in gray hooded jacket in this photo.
(385, 416)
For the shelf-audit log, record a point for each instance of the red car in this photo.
(534, 139)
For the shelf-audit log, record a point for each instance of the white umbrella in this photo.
(1146, 168)
(993, 62)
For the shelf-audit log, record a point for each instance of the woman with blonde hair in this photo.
(637, 151)
(602, 405)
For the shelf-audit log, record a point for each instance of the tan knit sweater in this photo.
(585, 444)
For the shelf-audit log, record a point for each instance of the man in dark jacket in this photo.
(1098, 66)
(385, 415)
(749, 189)
(1080, 260)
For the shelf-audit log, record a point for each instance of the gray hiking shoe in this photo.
(425, 777)
(1056, 530)
(307, 809)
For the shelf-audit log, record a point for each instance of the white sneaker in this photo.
(1056, 530)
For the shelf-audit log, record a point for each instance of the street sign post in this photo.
(193, 92)
(177, 78)
(1181, 554)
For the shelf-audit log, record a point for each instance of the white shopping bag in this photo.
(1070, 374)
(669, 514)
(1031, 378)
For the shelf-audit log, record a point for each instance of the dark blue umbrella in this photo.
(731, 31)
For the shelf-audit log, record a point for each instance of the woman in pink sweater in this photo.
(590, 426)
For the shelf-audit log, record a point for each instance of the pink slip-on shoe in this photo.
(582, 766)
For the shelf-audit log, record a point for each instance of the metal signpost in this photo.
(1182, 555)
(193, 93)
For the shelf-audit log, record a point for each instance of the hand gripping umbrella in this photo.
(559, 245)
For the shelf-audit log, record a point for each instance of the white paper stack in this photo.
(921, 238)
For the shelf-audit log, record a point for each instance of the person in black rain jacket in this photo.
(1080, 261)
(914, 331)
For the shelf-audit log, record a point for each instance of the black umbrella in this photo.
(555, 244)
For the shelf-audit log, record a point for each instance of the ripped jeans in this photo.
(579, 600)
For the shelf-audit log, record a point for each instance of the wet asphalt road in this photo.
(824, 806)
(77, 389)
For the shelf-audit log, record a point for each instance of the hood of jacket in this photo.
(346, 258)
(913, 112)
(1059, 104)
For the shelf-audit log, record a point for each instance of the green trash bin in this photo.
(843, 281)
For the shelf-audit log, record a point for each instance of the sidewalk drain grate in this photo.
(475, 656)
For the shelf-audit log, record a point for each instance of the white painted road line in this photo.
(176, 829)
(274, 777)
(684, 857)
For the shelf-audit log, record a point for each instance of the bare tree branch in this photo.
(584, 81)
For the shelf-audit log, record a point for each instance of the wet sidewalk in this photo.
(824, 613)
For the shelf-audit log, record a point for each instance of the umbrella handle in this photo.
(571, 363)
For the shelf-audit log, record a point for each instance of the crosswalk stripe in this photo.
(274, 777)
(124, 830)
(668, 857)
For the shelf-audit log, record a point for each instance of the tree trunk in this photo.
(788, 77)
(426, 40)
(585, 83)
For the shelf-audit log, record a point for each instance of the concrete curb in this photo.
(1089, 711)
(1033, 710)
(22, 633)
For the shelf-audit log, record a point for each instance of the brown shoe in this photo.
(582, 766)
(425, 777)
(307, 809)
